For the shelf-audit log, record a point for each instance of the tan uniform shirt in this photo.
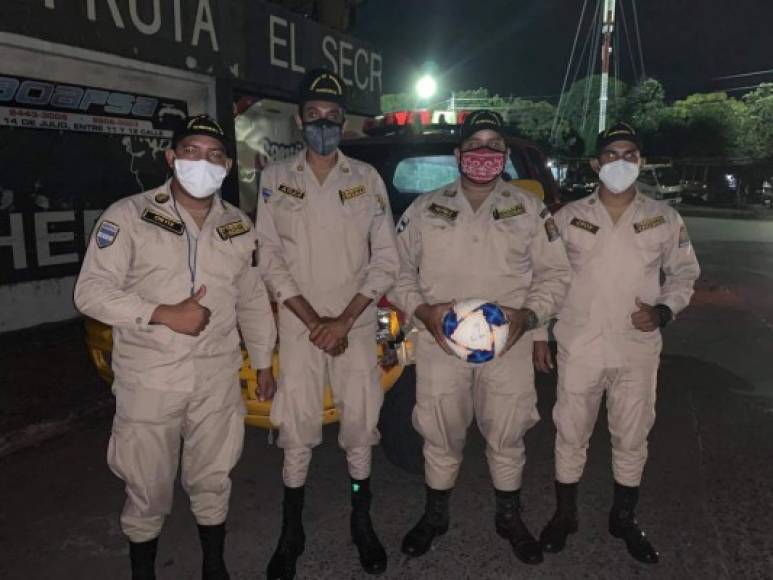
(507, 252)
(612, 265)
(139, 258)
(326, 242)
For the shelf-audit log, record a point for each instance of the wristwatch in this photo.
(665, 315)
(531, 319)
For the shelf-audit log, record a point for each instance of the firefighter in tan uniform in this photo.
(618, 242)
(327, 252)
(173, 270)
(477, 238)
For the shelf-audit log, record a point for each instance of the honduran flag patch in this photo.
(106, 234)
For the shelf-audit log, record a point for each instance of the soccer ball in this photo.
(476, 330)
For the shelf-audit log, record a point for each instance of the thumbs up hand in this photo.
(186, 317)
(646, 318)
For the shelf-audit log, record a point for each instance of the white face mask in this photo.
(200, 178)
(619, 175)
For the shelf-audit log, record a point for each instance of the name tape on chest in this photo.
(291, 191)
(583, 225)
(164, 222)
(503, 214)
(351, 192)
(232, 230)
(442, 211)
(648, 224)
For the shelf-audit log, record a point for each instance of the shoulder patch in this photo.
(583, 225)
(509, 212)
(551, 229)
(106, 234)
(232, 230)
(351, 193)
(162, 221)
(291, 191)
(443, 211)
(684, 237)
(402, 224)
(649, 223)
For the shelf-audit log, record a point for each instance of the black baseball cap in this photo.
(200, 125)
(322, 85)
(618, 132)
(481, 120)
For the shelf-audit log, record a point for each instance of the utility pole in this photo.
(606, 54)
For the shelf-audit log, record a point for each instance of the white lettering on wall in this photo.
(345, 61)
(90, 217)
(91, 12)
(143, 27)
(16, 241)
(328, 49)
(275, 40)
(375, 71)
(361, 53)
(206, 25)
(178, 22)
(44, 238)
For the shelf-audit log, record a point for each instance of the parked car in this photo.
(580, 181)
(712, 184)
(411, 161)
(661, 182)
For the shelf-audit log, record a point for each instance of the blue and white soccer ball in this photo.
(476, 330)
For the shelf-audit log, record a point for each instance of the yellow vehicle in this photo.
(393, 354)
(411, 161)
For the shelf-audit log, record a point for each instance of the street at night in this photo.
(705, 502)
(347, 289)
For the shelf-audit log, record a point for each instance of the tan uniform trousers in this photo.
(144, 451)
(631, 395)
(499, 393)
(297, 406)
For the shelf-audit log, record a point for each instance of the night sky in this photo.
(521, 47)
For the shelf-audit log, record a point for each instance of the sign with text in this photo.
(283, 46)
(66, 153)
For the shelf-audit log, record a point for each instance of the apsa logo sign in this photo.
(42, 94)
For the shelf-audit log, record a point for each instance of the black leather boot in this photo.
(143, 559)
(564, 521)
(372, 554)
(292, 541)
(623, 524)
(432, 524)
(212, 545)
(510, 526)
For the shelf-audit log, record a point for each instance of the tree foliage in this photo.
(700, 125)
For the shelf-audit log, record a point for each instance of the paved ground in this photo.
(706, 502)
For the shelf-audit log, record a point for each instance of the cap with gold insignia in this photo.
(322, 85)
(482, 120)
(618, 132)
(200, 125)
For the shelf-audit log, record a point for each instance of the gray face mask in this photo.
(322, 136)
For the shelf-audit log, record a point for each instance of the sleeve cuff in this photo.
(142, 319)
(540, 333)
(285, 292)
(261, 360)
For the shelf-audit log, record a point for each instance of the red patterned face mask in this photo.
(482, 165)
